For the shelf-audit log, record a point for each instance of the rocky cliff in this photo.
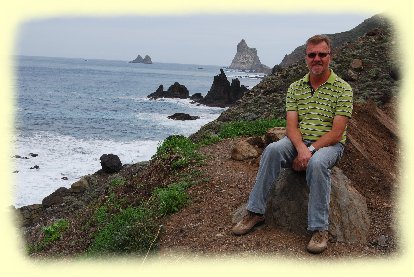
(247, 59)
(378, 22)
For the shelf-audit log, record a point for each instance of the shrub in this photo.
(172, 198)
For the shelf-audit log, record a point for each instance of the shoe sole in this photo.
(250, 230)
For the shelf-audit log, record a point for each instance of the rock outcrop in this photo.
(139, 59)
(174, 91)
(222, 93)
(247, 59)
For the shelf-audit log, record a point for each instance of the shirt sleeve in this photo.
(291, 101)
(344, 105)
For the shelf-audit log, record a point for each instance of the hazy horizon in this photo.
(188, 39)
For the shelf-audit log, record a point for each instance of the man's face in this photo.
(317, 64)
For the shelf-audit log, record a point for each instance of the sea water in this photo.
(69, 112)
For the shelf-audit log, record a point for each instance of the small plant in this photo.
(172, 198)
(54, 231)
(180, 151)
(51, 234)
(118, 181)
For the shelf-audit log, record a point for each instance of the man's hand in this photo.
(300, 163)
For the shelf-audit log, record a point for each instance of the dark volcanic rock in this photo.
(183, 116)
(222, 93)
(55, 198)
(197, 97)
(174, 91)
(110, 163)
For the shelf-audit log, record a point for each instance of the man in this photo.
(318, 108)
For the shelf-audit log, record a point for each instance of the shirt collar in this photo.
(330, 80)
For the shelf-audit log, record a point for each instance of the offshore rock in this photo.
(174, 91)
(183, 116)
(288, 205)
(139, 59)
(222, 93)
(247, 59)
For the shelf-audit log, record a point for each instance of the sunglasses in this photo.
(312, 55)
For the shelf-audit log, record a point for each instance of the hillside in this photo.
(182, 201)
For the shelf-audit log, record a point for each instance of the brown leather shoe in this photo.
(318, 243)
(249, 221)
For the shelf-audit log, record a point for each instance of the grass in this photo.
(249, 128)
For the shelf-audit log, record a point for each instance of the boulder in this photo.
(110, 163)
(356, 64)
(243, 150)
(55, 198)
(274, 134)
(80, 186)
(287, 207)
(183, 116)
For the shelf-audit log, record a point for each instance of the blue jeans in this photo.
(281, 154)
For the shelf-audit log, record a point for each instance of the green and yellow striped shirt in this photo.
(317, 111)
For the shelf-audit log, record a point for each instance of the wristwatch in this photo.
(312, 149)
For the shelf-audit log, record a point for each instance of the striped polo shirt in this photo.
(317, 111)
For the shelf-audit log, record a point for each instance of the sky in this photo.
(188, 39)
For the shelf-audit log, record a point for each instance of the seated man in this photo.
(318, 108)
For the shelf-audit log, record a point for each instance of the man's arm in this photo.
(335, 135)
(332, 137)
(295, 136)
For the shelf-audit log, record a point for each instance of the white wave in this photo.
(65, 156)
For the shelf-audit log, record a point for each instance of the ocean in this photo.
(69, 112)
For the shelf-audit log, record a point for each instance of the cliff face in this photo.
(246, 58)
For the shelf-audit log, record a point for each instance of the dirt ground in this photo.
(203, 228)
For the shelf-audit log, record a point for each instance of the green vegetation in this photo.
(129, 231)
(179, 151)
(249, 128)
(243, 129)
(172, 198)
(51, 234)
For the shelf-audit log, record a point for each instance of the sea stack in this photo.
(139, 59)
(246, 59)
